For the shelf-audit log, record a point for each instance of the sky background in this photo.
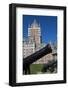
(48, 26)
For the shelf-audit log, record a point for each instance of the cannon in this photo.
(34, 57)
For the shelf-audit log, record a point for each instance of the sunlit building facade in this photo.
(34, 31)
(28, 47)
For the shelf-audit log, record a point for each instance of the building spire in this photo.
(35, 24)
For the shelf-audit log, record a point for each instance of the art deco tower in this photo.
(34, 32)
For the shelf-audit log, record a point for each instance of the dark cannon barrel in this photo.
(37, 55)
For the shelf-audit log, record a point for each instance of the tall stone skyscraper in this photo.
(34, 31)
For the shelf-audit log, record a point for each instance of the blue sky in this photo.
(48, 27)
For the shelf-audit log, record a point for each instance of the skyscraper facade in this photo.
(34, 31)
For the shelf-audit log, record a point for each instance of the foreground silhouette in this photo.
(34, 57)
